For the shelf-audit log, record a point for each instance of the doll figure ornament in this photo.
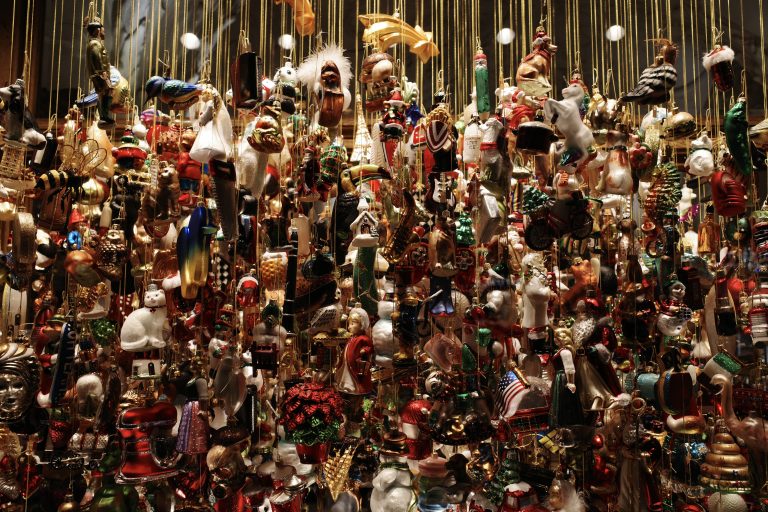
(709, 233)
(442, 263)
(566, 407)
(353, 376)
(146, 328)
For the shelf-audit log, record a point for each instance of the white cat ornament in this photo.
(146, 328)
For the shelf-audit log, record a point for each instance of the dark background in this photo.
(137, 29)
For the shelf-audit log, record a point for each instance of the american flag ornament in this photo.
(512, 388)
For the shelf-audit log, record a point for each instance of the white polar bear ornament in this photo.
(145, 329)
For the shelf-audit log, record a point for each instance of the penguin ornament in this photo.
(657, 80)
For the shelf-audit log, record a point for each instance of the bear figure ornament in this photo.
(146, 328)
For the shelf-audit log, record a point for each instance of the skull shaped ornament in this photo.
(378, 76)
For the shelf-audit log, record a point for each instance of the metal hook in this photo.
(717, 35)
(608, 77)
(743, 85)
(543, 13)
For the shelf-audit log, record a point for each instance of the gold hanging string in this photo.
(762, 58)
(53, 53)
(12, 47)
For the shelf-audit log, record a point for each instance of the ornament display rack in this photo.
(465, 255)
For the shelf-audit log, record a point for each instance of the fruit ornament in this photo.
(483, 289)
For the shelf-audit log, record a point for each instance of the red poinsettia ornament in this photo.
(311, 416)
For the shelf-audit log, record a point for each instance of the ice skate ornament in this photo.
(566, 116)
(327, 73)
(146, 328)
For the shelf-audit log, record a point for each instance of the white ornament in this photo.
(144, 328)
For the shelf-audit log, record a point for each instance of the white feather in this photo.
(308, 72)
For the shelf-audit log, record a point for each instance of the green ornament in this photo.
(331, 163)
(464, 234)
(484, 337)
(481, 83)
(468, 359)
(104, 331)
(534, 199)
(737, 137)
